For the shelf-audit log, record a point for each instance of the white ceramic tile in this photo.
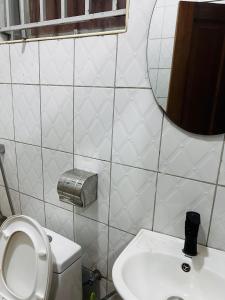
(33, 208)
(55, 163)
(217, 229)
(57, 117)
(93, 238)
(98, 210)
(190, 155)
(25, 62)
(166, 53)
(222, 170)
(4, 204)
(93, 122)
(118, 240)
(26, 101)
(169, 21)
(132, 198)
(95, 60)
(153, 77)
(6, 112)
(30, 170)
(5, 64)
(137, 127)
(176, 196)
(59, 220)
(131, 63)
(156, 26)
(9, 163)
(154, 53)
(163, 82)
(56, 61)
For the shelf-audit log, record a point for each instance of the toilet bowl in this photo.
(36, 263)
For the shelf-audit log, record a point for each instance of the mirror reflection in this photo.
(186, 63)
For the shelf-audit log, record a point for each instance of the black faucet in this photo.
(192, 223)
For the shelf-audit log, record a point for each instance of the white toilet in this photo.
(37, 264)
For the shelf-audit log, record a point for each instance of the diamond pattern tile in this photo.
(217, 229)
(93, 122)
(118, 240)
(93, 238)
(57, 117)
(99, 209)
(6, 112)
(95, 67)
(25, 62)
(5, 64)
(9, 163)
(137, 127)
(56, 59)
(190, 155)
(176, 196)
(33, 208)
(59, 220)
(55, 163)
(131, 64)
(132, 198)
(30, 170)
(26, 101)
(4, 204)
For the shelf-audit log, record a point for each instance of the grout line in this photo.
(74, 57)
(78, 86)
(14, 127)
(111, 153)
(215, 192)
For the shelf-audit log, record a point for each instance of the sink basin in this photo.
(153, 267)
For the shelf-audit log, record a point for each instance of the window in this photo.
(29, 19)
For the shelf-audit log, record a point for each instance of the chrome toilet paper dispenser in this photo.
(78, 187)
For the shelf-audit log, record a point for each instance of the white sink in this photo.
(150, 268)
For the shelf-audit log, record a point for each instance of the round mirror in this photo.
(186, 63)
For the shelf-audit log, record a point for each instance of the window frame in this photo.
(71, 20)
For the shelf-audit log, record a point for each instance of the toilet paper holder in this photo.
(78, 187)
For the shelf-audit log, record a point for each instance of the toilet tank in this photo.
(67, 278)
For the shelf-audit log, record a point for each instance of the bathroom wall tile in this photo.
(131, 63)
(190, 155)
(93, 238)
(6, 112)
(169, 21)
(4, 203)
(132, 198)
(33, 208)
(176, 196)
(57, 117)
(166, 53)
(137, 127)
(55, 163)
(56, 61)
(156, 27)
(95, 67)
(222, 170)
(118, 240)
(93, 122)
(59, 220)
(26, 101)
(5, 64)
(30, 170)
(9, 163)
(154, 53)
(163, 81)
(99, 209)
(25, 62)
(217, 229)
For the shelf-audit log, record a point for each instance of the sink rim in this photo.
(147, 241)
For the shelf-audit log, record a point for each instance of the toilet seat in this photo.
(25, 260)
